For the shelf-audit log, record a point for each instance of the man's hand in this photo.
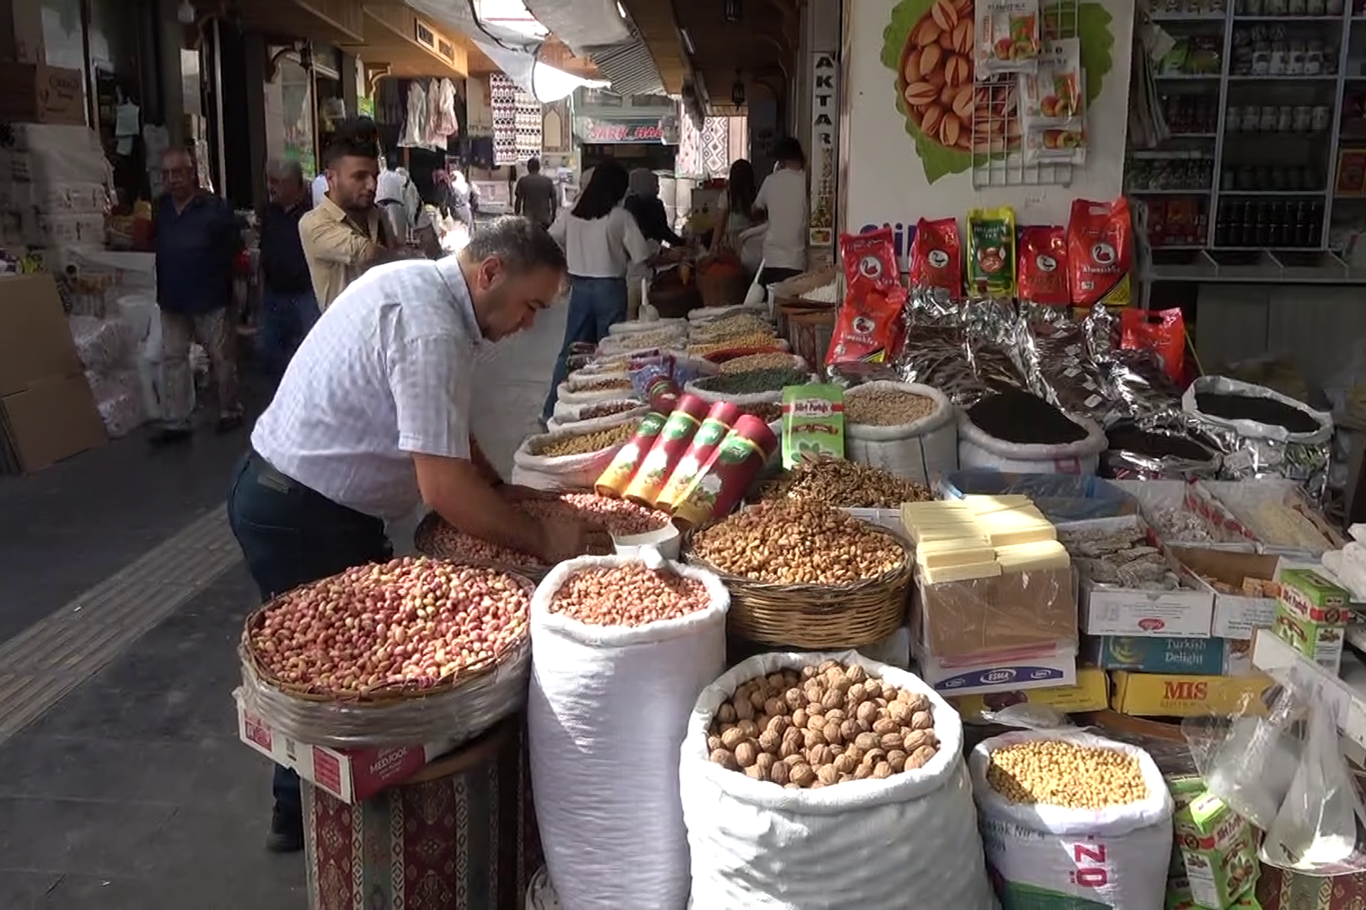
(512, 492)
(563, 540)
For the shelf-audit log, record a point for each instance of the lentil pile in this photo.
(608, 408)
(1268, 411)
(771, 379)
(885, 407)
(825, 725)
(794, 541)
(583, 443)
(1016, 416)
(1056, 773)
(628, 595)
(769, 360)
(846, 484)
(412, 621)
(760, 341)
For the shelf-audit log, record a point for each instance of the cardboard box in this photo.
(1312, 614)
(1003, 672)
(1179, 695)
(1192, 656)
(35, 341)
(1236, 615)
(37, 93)
(1011, 611)
(1112, 610)
(51, 420)
(351, 775)
(1218, 847)
(21, 32)
(1091, 692)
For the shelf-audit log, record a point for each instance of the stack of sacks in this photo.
(53, 187)
(998, 610)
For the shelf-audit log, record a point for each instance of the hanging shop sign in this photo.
(908, 147)
(591, 131)
(824, 123)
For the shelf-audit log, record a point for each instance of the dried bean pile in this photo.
(884, 407)
(412, 621)
(794, 541)
(1015, 416)
(1056, 773)
(605, 385)
(768, 412)
(845, 484)
(608, 408)
(761, 341)
(628, 595)
(727, 327)
(1267, 411)
(560, 446)
(771, 379)
(747, 362)
(823, 726)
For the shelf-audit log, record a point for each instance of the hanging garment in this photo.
(444, 122)
(415, 124)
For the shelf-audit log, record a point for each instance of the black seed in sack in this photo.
(1156, 445)
(1015, 416)
(772, 379)
(1267, 411)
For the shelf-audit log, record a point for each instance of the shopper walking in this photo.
(460, 199)
(535, 195)
(600, 240)
(288, 307)
(397, 200)
(373, 418)
(346, 234)
(198, 238)
(645, 206)
(783, 199)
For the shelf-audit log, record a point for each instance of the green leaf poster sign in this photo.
(929, 47)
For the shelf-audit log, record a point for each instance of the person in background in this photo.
(644, 204)
(288, 307)
(373, 418)
(535, 196)
(197, 240)
(734, 207)
(394, 200)
(600, 240)
(319, 188)
(460, 199)
(783, 200)
(346, 234)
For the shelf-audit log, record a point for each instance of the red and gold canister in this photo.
(727, 474)
(614, 480)
(720, 418)
(663, 393)
(668, 448)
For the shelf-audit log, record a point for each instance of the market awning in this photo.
(545, 83)
(584, 25)
(635, 130)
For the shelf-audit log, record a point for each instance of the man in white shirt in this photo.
(372, 418)
(784, 198)
(319, 188)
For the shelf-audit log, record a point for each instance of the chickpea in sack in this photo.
(812, 780)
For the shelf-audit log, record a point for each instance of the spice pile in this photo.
(728, 328)
(845, 484)
(768, 412)
(885, 407)
(628, 595)
(795, 542)
(1019, 417)
(1266, 411)
(561, 445)
(770, 379)
(823, 726)
(1055, 773)
(1122, 557)
(410, 622)
(769, 360)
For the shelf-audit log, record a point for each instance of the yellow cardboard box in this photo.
(1180, 695)
(1091, 693)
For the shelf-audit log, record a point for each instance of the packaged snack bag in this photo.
(1042, 270)
(1052, 96)
(1100, 252)
(991, 251)
(869, 325)
(1008, 36)
(937, 255)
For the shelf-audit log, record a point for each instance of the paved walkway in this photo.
(122, 784)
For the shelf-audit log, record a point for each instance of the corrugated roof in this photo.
(629, 67)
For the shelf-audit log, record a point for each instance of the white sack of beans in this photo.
(1115, 856)
(606, 713)
(909, 840)
(637, 326)
(567, 395)
(573, 457)
(982, 451)
(919, 448)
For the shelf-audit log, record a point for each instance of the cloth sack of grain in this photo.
(659, 338)
(638, 326)
(1115, 857)
(978, 449)
(908, 841)
(920, 450)
(742, 399)
(578, 381)
(567, 414)
(607, 710)
(532, 469)
(569, 396)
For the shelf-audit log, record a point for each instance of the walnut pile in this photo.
(822, 725)
(1120, 558)
(846, 484)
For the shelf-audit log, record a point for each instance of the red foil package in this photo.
(1042, 267)
(937, 255)
(869, 326)
(1100, 252)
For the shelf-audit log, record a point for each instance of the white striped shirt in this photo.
(385, 373)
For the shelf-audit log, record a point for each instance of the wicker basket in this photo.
(424, 540)
(808, 331)
(817, 617)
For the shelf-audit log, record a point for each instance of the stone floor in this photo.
(131, 790)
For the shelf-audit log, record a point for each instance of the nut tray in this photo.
(424, 540)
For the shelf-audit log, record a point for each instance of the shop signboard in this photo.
(592, 131)
(821, 167)
(898, 169)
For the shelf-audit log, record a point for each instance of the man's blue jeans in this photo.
(285, 320)
(594, 305)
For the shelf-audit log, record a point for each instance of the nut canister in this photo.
(720, 418)
(617, 476)
(668, 448)
(727, 474)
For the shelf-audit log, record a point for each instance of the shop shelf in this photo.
(1169, 191)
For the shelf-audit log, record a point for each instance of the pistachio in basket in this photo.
(798, 542)
(409, 622)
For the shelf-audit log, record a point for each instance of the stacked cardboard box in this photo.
(54, 183)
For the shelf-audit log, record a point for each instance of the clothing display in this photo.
(416, 122)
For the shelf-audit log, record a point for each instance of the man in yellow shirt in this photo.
(347, 234)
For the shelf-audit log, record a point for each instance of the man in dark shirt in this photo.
(288, 307)
(197, 243)
(535, 195)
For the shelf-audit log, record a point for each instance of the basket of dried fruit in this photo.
(805, 574)
(416, 650)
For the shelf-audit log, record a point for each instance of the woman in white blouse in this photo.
(601, 240)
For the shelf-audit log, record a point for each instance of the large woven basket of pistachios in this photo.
(804, 574)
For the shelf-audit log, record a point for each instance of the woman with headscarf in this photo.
(644, 204)
(601, 241)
